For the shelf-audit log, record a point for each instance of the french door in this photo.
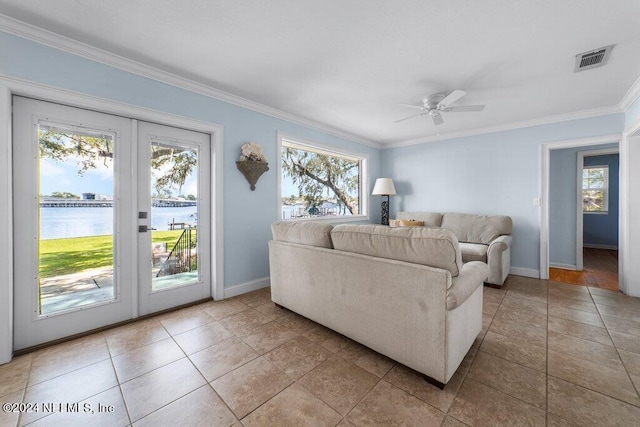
(111, 219)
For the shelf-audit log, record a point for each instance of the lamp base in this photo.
(384, 214)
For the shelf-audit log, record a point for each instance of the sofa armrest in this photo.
(499, 259)
(471, 276)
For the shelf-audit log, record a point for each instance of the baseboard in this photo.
(563, 266)
(526, 272)
(243, 288)
(596, 246)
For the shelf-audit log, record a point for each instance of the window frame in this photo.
(605, 189)
(308, 145)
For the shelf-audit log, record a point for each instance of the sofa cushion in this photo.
(477, 228)
(434, 247)
(431, 219)
(473, 252)
(303, 232)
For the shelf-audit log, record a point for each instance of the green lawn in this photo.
(72, 255)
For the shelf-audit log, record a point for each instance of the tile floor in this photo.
(549, 354)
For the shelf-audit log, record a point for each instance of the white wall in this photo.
(496, 173)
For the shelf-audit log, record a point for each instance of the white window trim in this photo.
(606, 190)
(309, 145)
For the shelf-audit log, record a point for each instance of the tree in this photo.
(170, 165)
(317, 174)
(64, 195)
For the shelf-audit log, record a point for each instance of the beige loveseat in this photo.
(403, 292)
(482, 238)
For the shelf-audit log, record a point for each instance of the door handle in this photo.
(144, 228)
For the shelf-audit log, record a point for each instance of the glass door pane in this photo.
(174, 215)
(76, 240)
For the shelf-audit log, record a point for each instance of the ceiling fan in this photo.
(440, 103)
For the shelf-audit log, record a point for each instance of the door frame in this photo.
(10, 86)
(579, 212)
(545, 149)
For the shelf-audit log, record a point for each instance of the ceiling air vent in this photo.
(593, 59)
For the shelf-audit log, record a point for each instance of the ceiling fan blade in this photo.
(437, 118)
(419, 107)
(410, 117)
(451, 98)
(464, 108)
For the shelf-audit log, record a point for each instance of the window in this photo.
(318, 182)
(595, 189)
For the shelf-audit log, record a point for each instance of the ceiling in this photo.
(348, 64)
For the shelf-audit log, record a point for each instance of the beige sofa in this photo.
(403, 292)
(482, 238)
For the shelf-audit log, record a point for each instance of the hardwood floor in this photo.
(600, 270)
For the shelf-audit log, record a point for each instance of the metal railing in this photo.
(180, 259)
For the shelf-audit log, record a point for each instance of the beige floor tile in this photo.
(296, 322)
(511, 328)
(526, 284)
(618, 300)
(515, 380)
(491, 296)
(202, 337)
(620, 311)
(9, 418)
(626, 342)
(298, 356)
(559, 286)
(366, 358)
(635, 379)
(586, 350)
(489, 308)
(602, 291)
(14, 375)
(478, 404)
(514, 302)
(249, 386)
(516, 350)
(388, 405)
(184, 320)
(580, 330)
(576, 315)
(145, 359)
(556, 301)
(62, 358)
(294, 406)
(256, 298)
(535, 296)
(70, 388)
(242, 324)
(529, 317)
(338, 383)
(556, 421)
(271, 310)
(414, 383)
(452, 422)
(103, 410)
(631, 361)
(266, 337)
(346, 423)
(327, 338)
(202, 407)
(571, 294)
(588, 408)
(217, 360)
(135, 335)
(219, 310)
(593, 376)
(621, 324)
(153, 390)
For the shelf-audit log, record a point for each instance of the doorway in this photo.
(112, 219)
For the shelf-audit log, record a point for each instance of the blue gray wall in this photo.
(247, 214)
(602, 229)
(496, 173)
(563, 190)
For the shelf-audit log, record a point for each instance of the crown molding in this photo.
(75, 47)
(632, 94)
(511, 126)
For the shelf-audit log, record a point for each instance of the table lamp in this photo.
(384, 187)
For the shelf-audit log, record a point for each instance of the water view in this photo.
(60, 223)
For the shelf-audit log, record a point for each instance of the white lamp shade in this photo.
(384, 187)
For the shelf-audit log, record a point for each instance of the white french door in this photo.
(84, 185)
